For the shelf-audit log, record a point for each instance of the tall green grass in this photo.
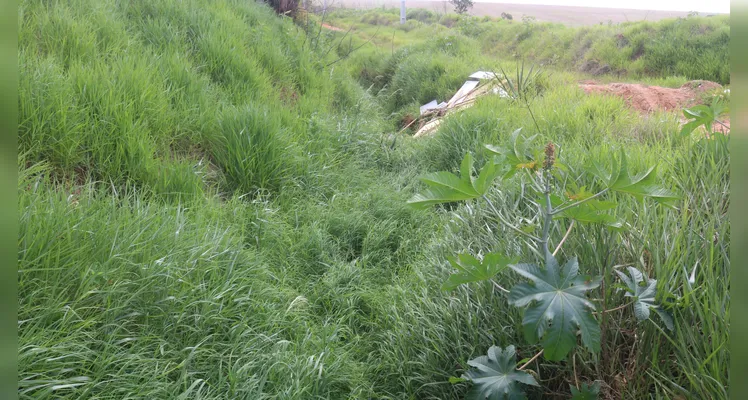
(207, 211)
(693, 47)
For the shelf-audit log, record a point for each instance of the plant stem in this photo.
(562, 209)
(547, 215)
(720, 122)
(505, 222)
(496, 285)
(568, 231)
(614, 309)
(531, 360)
(529, 109)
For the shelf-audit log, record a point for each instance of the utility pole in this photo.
(402, 12)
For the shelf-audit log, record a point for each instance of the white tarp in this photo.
(429, 106)
(481, 75)
(466, 88)
(463, 98)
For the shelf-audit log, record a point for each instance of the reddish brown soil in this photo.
(332, 28)
(646, 99)
(650, 98)
(724, 127)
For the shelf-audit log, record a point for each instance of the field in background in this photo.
(212, 204)
(575, 16)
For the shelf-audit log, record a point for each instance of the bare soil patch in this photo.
(646, 99)
(332, 28)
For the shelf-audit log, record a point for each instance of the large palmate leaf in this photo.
(643, 291)
(445, 187)
(586, 392)
(496, 377)
(640, 185)
(470, 269)
(558, 307)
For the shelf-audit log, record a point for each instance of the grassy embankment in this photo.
(207, 211)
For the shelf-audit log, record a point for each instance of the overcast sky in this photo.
(715, 6)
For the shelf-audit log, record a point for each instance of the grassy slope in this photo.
(693, 48)
(147, 271)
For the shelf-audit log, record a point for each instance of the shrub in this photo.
(462, 6)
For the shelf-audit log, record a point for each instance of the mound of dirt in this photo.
(646, 99)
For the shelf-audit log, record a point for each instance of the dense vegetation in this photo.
(213, 206)
(693, 48)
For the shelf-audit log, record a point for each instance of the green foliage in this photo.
(592, 212)
(421, 15)
(445, 187)
(703, 115)
(249, 148)
(640, 185)
(522, 85)
(558, 307)
(643, 291)
(496, 377)
(691, 48)
(586, 391)
(519, 156)
(470, 269)
(135, 255)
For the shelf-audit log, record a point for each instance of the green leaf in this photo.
(586, 392)
(517, 157)
(485, 178)
(496, 377)
(702, 115)
(558, 307)
(437, 196)
(643, 291)
(690, 127)
(470, 269)
(591, 212)
(445, 187)
(556, 200)
(641, 185)
(466, 169)
(701, 112)
(661, 195)
(448, 180)
(625, 183)
(598, 170)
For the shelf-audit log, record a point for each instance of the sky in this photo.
(705, 6)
